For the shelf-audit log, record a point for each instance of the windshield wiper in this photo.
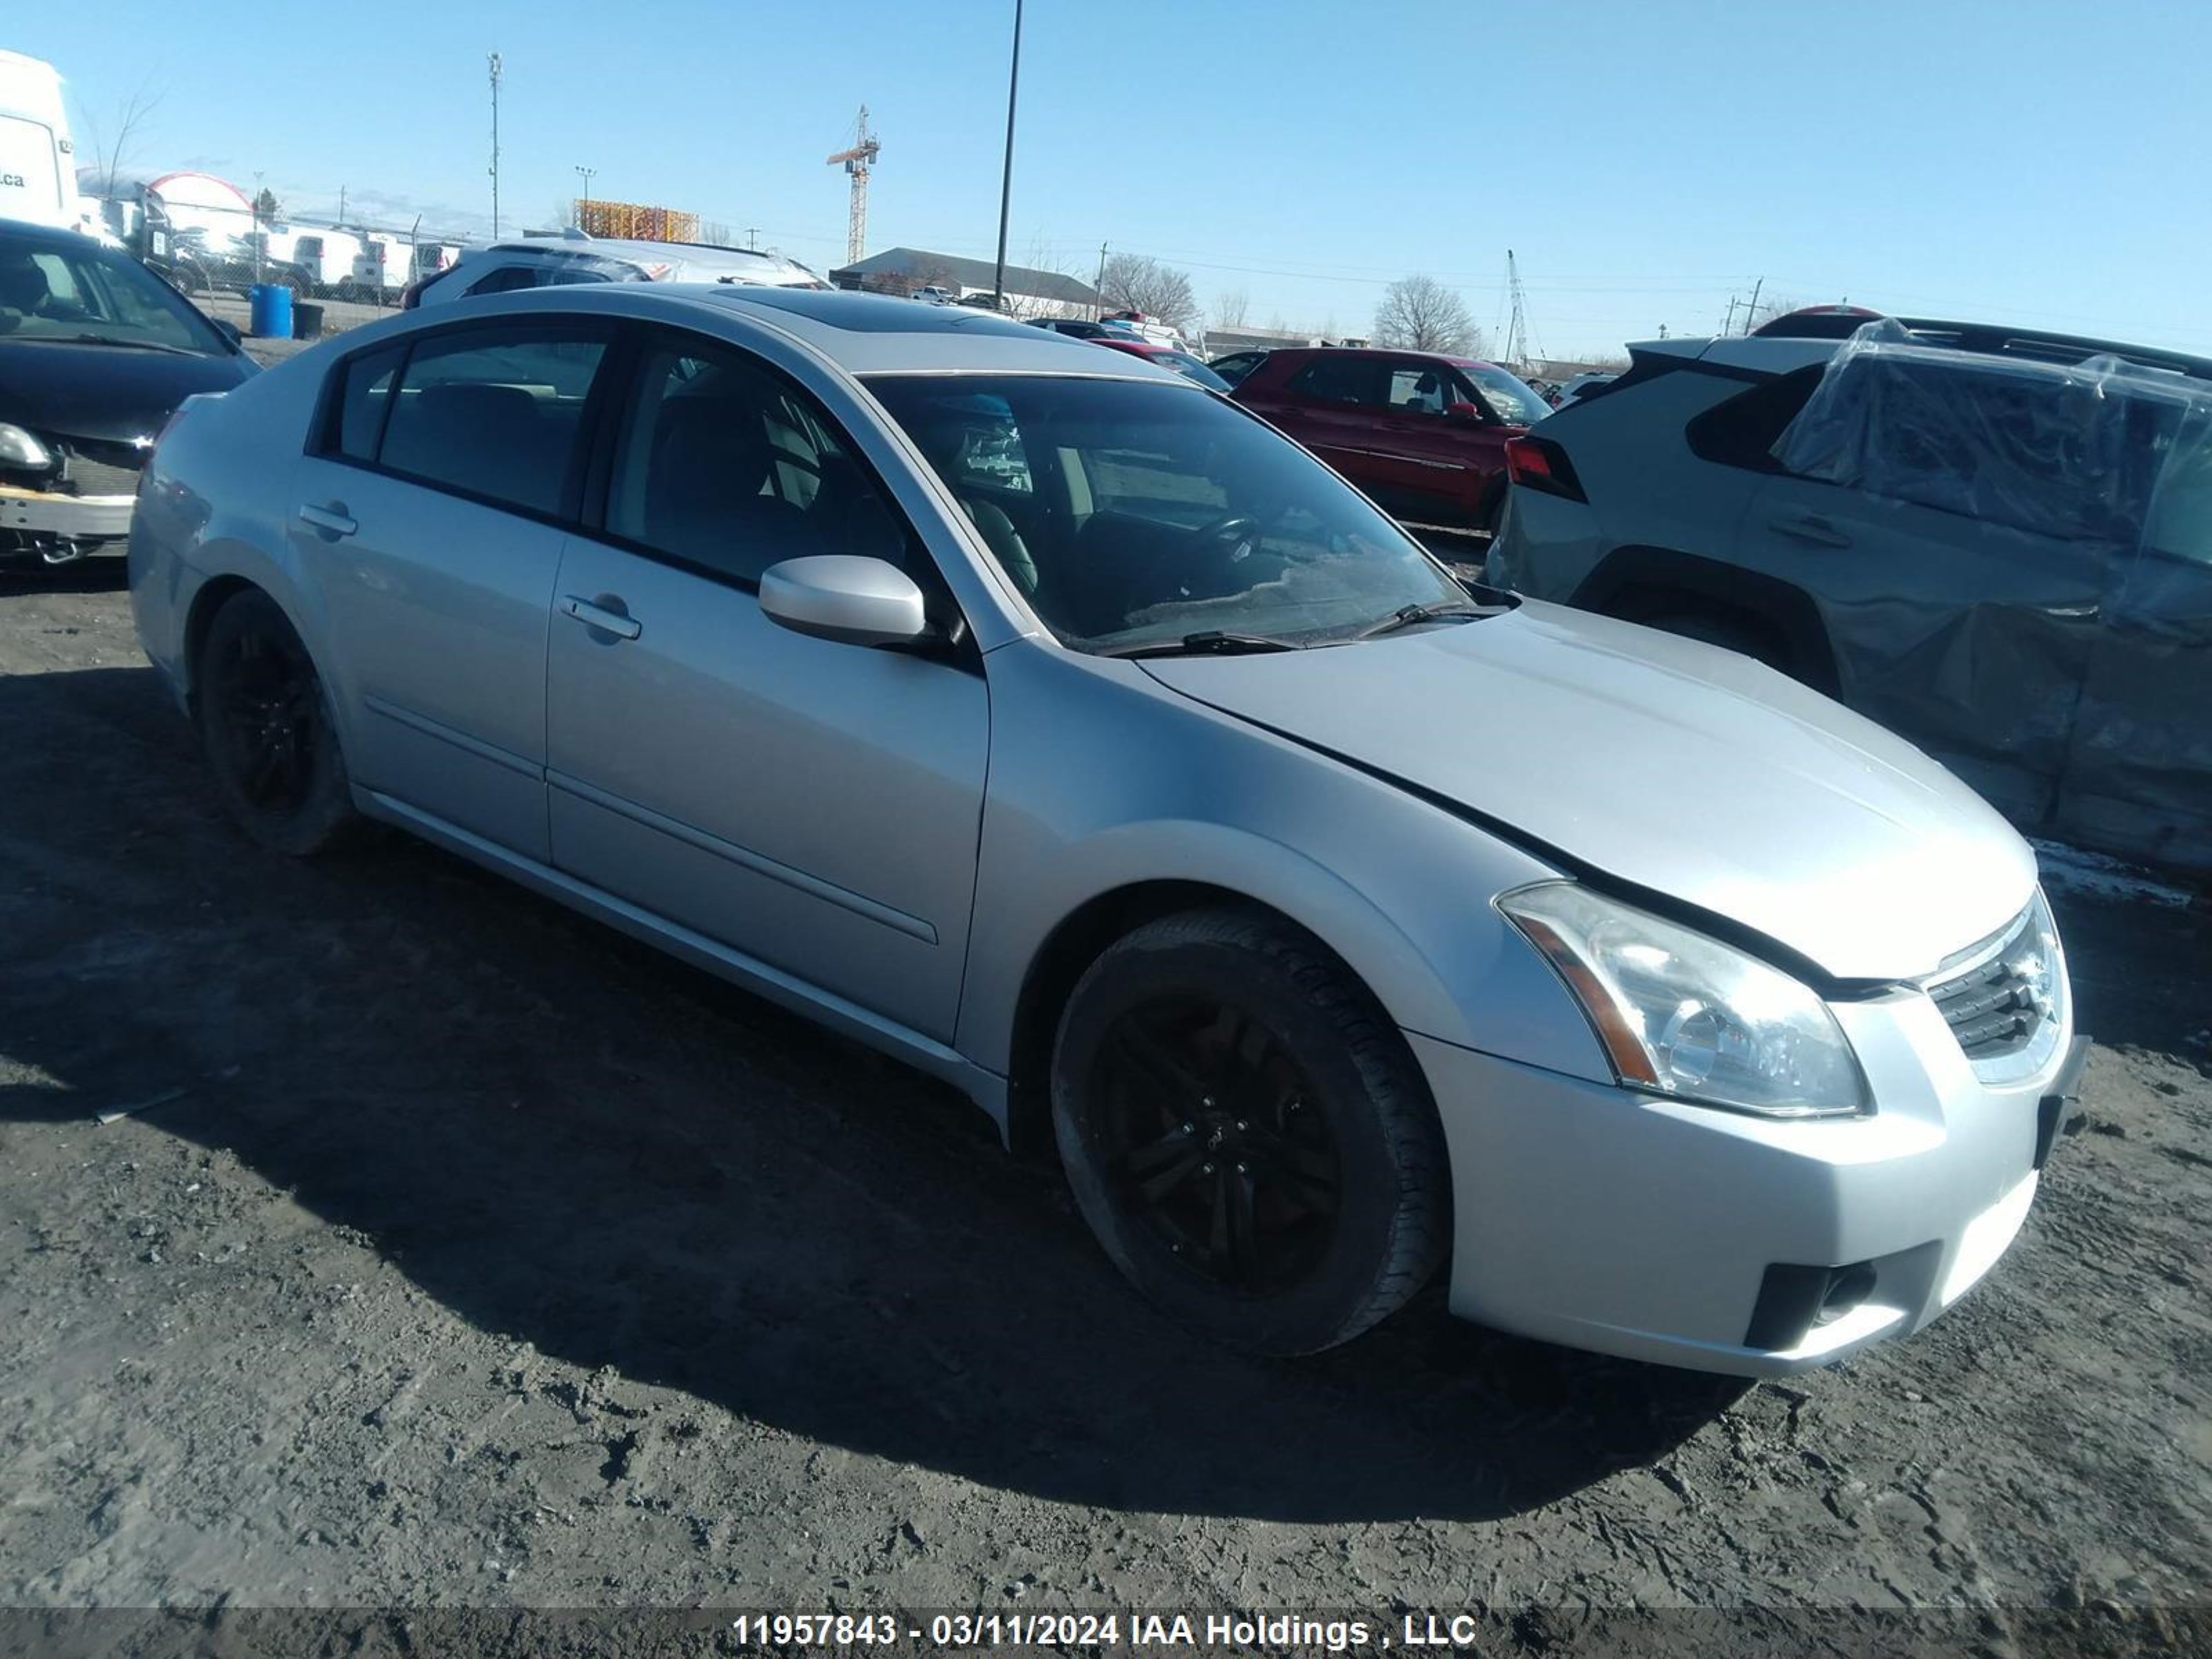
(109, 339)
(1211, 642)
(1411, 616)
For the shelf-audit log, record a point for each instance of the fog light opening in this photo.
(1848, 1289)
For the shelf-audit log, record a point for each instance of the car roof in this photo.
(62, 236)
(1821, 330)
(638, 251)
(861, 333)
(1376, 351)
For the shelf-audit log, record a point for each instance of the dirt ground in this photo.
(459, 1252)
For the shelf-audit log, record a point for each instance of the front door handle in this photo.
(598, 616)
(1811, 527)
(332, 520)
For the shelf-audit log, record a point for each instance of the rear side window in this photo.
(364, 399)
(1740, 431)
(1237, 365)
(507, 279)
(493, 413)
(1336, 381)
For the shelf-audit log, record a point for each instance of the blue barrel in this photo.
(269, 311)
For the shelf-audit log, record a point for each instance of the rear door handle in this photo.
(332, 520)
(599, 617)
(1811, 527)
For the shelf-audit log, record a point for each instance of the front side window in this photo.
(724, 465)
(496, 413)
(1163, 512)
(1421, 389)
(88, 296)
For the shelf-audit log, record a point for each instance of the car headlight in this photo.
(1683, 1015)
(18, 448)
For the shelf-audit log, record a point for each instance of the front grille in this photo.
(89, 474)
(1992, 1007)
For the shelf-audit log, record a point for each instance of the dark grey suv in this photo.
(1997, 543)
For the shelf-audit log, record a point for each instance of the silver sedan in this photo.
(1052, 724)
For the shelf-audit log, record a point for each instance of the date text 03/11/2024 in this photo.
(1104, 1630)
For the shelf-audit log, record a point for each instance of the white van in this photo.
(379, 269)
(326, 259)
(38, 169)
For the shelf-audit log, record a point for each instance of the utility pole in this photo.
(1099, 287)
(495, 68)
(260, 242)
(1006, 182)
(584, 204)
(752, 237)
(1751, 316)
(341, 189)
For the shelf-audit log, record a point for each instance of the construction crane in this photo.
(857, 161)
(1520, 342)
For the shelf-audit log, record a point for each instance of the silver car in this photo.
(1056, 726)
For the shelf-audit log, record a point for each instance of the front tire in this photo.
(266, 726)
(1247, 1134)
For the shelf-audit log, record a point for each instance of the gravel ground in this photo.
(459, 1252)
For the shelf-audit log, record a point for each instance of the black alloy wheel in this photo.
(1247, 1132)
(267, 729)
(1210, 1143)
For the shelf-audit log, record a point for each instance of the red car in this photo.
(1423, 435)
(1166, 356)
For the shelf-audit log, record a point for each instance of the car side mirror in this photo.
(1462, 411)
(846, 598)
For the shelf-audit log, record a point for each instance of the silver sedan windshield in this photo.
(1131, 513)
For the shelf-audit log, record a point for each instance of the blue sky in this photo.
(2024, 159)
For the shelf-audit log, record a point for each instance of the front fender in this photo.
(1103, 781)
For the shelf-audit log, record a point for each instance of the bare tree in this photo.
(1419, 313)
(1229, 308)
(109, 158)
(1136, 281)
(1027, 307)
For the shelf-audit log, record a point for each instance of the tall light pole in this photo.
(1006, 182)
(584, 206)
(495, 67)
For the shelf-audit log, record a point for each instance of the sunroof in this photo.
(879, 313)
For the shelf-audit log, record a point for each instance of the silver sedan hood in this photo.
(1665, 764)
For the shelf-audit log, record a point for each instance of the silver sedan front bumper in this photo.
(1621, 1223)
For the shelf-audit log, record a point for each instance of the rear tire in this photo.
(1247, 1134)
(265, 723)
